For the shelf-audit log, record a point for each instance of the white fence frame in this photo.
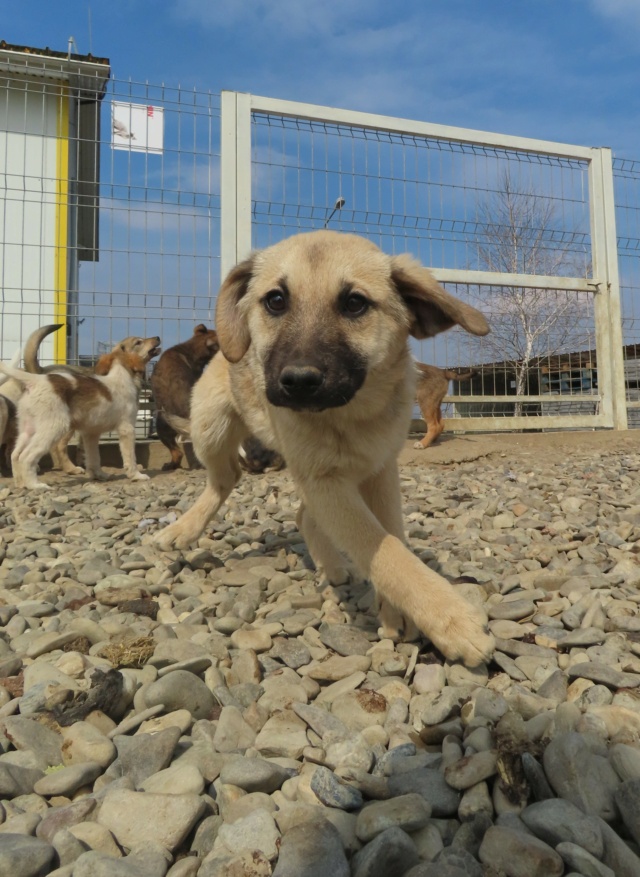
(236, 241)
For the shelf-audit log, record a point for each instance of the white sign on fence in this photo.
(136, 127)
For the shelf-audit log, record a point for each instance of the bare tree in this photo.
(523, 235)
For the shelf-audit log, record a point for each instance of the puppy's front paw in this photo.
(139, 476)
(418, 446)
(99, 475)
(174, 536)
(464, 636)
(74, 470)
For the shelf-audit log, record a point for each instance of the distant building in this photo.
(49, 177)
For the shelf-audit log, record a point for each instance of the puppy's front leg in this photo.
(328, 560)
(381, 493)
(127, 442)
(452, 624)
(92, 457)
(216, 431)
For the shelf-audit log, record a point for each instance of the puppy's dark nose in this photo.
(301, 380)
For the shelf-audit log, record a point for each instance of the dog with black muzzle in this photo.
(314, 360)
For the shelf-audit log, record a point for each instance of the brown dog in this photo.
(172, 380)
(431, 388)
(316, 363)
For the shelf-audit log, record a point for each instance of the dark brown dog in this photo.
(172, 380)
(432, 386)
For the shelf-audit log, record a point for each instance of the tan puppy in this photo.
(59, 402)
(432, 386)
(315, 362)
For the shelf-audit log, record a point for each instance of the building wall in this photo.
(34, 119)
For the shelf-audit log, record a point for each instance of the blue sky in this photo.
(565, 70)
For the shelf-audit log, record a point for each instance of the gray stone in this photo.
(448, 863)
(27, 733)
(143, 755)
(580, 860)
(603, 674)
(136, 818)
(299, 852)
(149, 862)
(344, 639)
(256, 831)
(628, 800)
(585, 779)
(16, 780)
(519, 854)
(181, 690)
(24, 856)
(291, 652)
(253, 774)
(409, 812)
(63, 817)
(556, 820)
(68, 780)
(431, 785)
(391, 852)
(333, 792)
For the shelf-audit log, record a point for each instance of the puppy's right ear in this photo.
(200, 329)
(231, 323)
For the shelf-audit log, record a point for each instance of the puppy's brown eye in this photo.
(275, 302)
(355, 305)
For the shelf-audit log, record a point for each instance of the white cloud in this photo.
(622, 13)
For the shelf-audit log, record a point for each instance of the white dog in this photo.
(58, 402)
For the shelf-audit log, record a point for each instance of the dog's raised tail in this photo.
(30, 354)
(181, 425)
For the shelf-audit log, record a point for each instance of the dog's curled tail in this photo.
(181, 425)
(15, 362)
(30, 354)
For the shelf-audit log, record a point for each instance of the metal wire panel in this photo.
(155, 267)
(461, 207)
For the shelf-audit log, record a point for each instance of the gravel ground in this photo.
(219, 712)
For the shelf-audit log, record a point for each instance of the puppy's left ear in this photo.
(231, 324)
(431, 307)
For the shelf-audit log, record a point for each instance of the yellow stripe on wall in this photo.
(62, 218)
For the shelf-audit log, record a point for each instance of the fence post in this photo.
(611, 381)
(235, 179)
(613, 293)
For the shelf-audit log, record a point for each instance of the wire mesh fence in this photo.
(155, 217)
(143, 229)
(459, 206)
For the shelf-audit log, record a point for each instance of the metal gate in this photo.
(523, 229)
